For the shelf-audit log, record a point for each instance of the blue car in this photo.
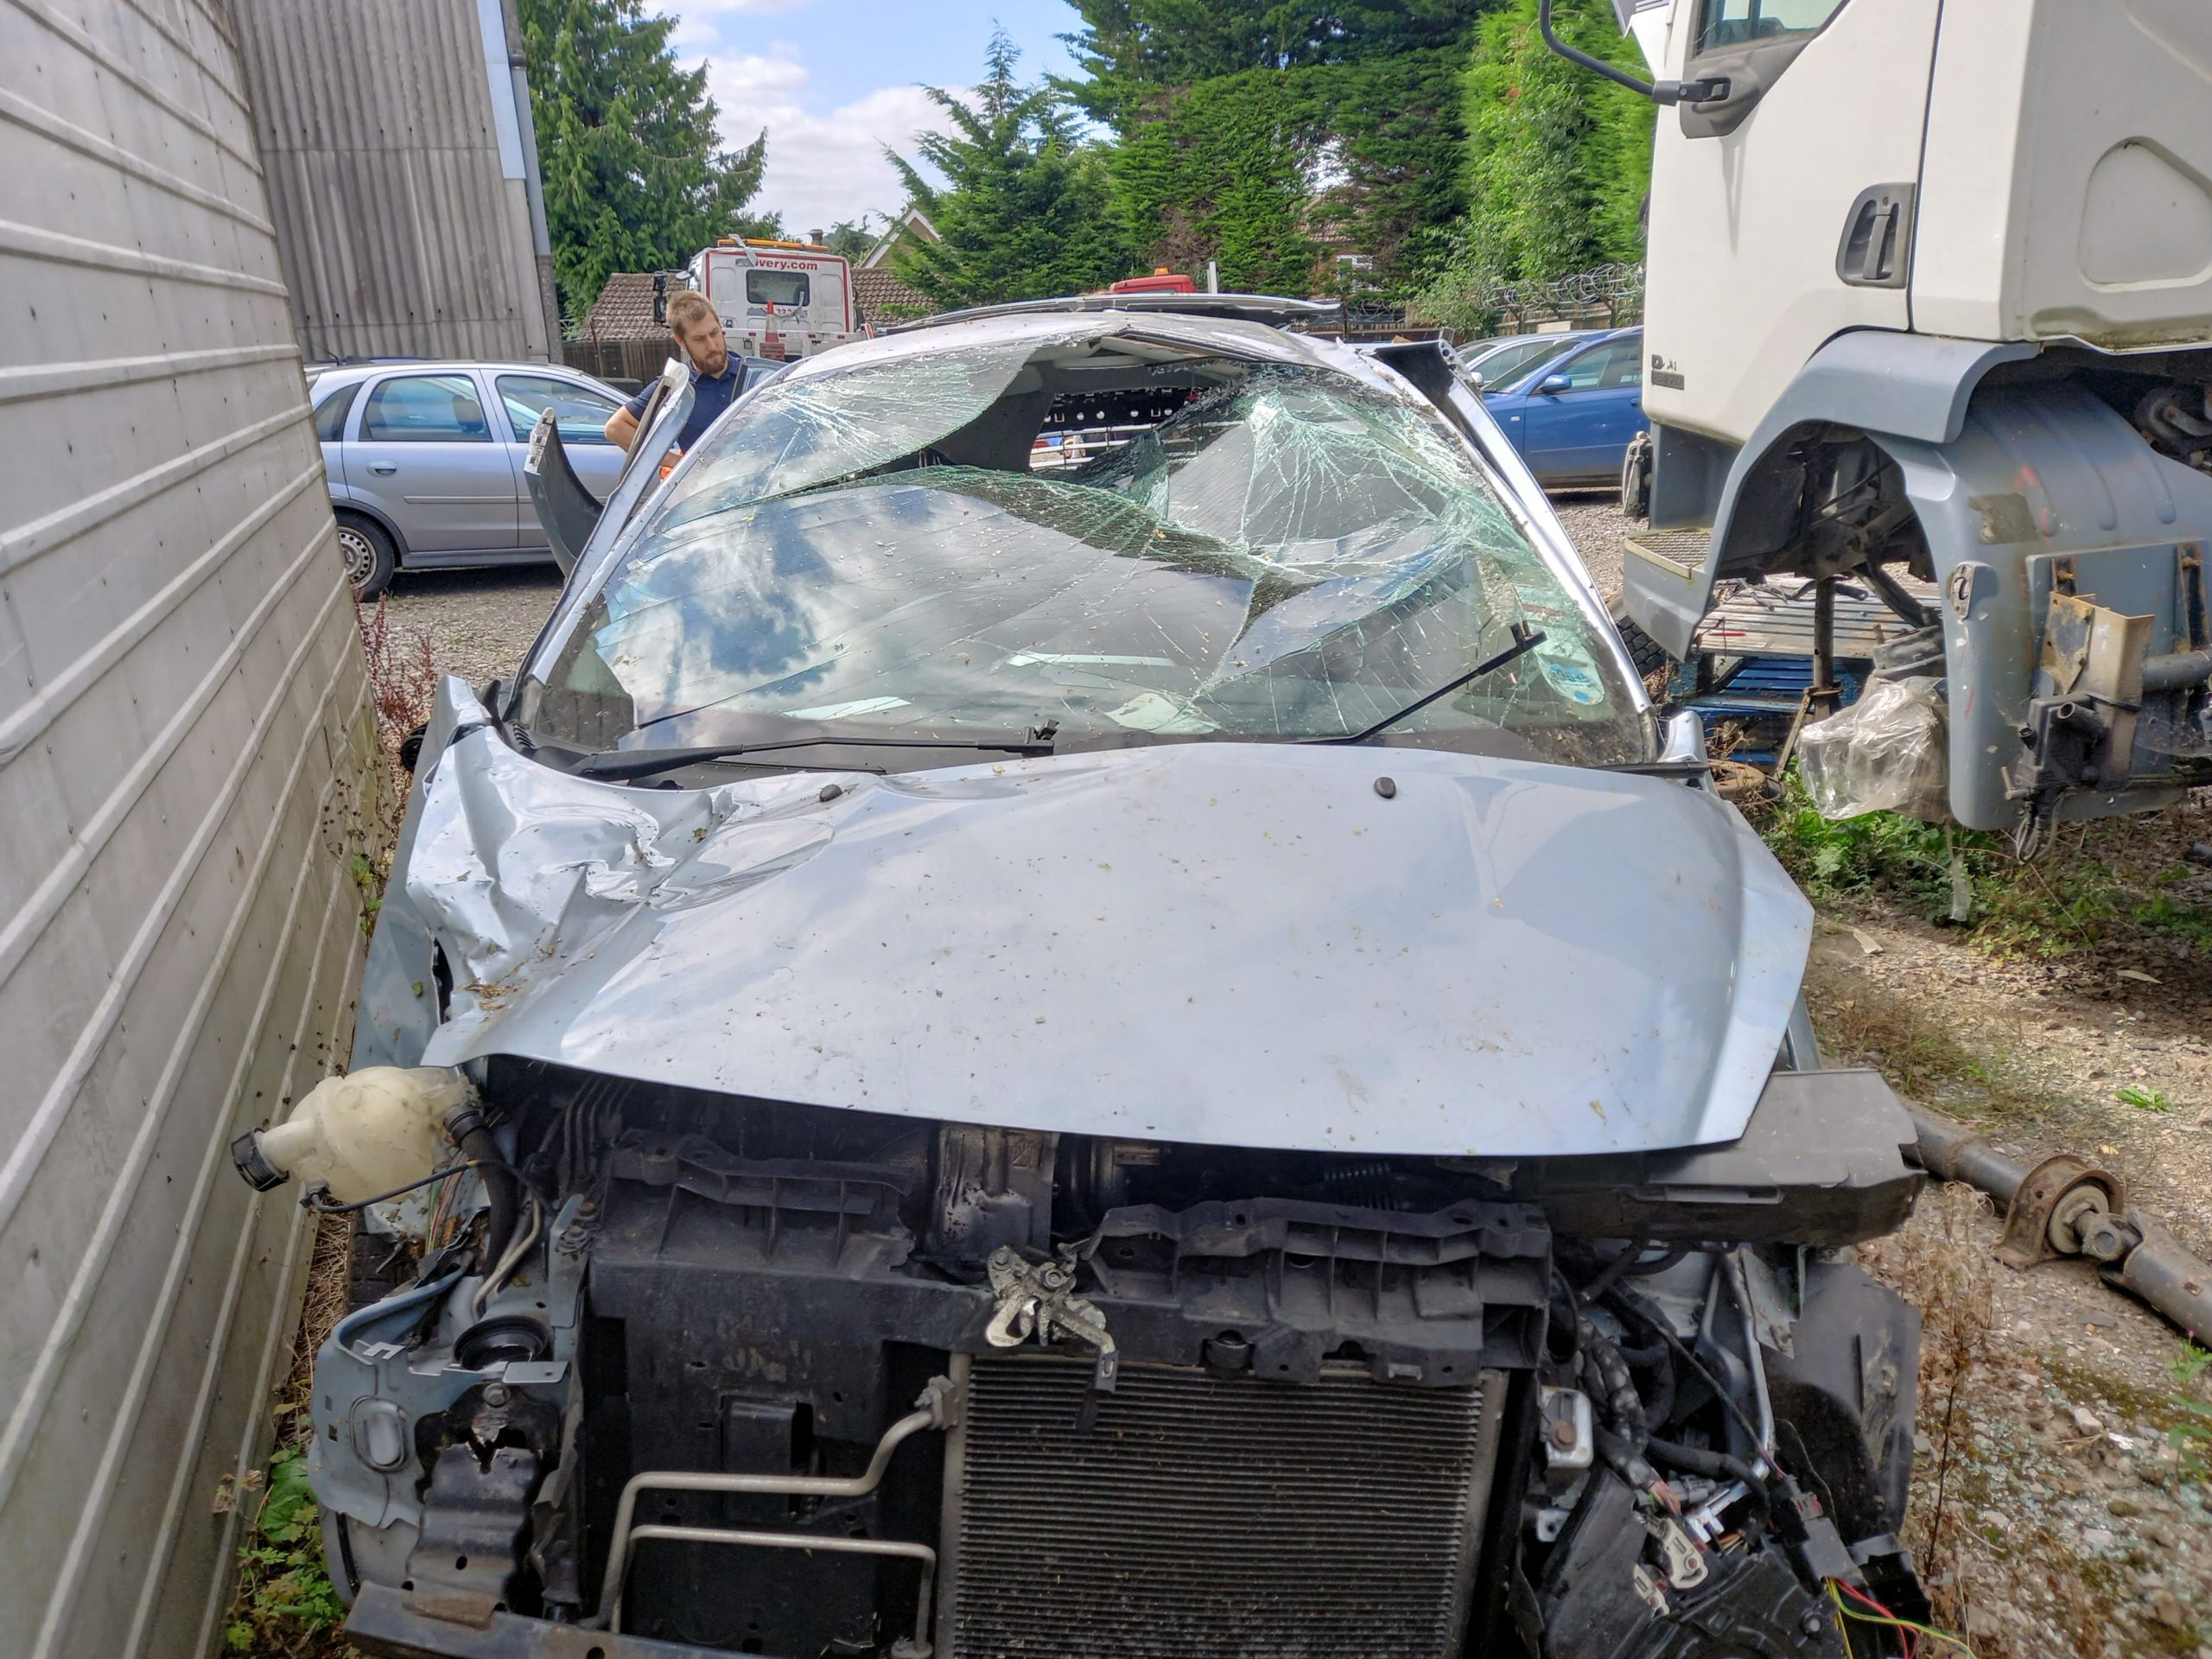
(1573, 417)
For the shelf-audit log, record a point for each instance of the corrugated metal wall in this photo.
(398, 178)
(183, 722)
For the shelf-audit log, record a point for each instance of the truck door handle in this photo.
(1877, 247)
(384, 468)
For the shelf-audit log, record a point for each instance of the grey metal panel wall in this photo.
(184, 729)
(401, 232)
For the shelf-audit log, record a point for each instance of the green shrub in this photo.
(2057, 906)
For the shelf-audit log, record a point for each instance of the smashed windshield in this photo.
(1289, 554)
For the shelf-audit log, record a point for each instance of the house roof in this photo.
(624, 309)
(882, 298)
(913, 223)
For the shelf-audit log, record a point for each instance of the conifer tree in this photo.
(636, 176)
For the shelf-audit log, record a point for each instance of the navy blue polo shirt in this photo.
(713, 395)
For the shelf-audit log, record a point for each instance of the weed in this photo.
(1921, 1055)
(368, 879)
(2143, 1099)
(2061, 907)
(402, 687)
(1943, 1268)
(2191, 1434)
(403, 676)
(285, 1602)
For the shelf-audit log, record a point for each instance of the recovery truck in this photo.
(777, 299)
(1929, 314)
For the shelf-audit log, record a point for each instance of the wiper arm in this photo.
(614, 765)
(1525, 639)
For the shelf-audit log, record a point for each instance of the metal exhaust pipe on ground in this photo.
(2066, 1206)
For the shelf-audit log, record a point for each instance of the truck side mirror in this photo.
(1707, 89)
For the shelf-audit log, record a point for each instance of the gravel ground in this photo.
(1593, 523)
(478, 623)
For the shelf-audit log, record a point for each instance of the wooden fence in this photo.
(619, 361)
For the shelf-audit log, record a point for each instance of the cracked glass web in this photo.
(1292, 554)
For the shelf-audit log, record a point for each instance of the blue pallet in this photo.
(1762, 693)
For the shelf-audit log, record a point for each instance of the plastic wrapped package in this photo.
(1887, 751)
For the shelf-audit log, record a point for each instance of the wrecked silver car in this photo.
(1159, 1057)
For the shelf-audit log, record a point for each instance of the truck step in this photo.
(1679, 553)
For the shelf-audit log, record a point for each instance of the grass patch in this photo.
(2191, 1434)
(2143, 1099)
(2069, 903)
(284, 1603)
(1925, 1059)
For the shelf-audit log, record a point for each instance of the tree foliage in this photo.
(1130, 48)
(636, 176)
(853, 238)
(1024, 210)
(1558, 159)
(1256, 136)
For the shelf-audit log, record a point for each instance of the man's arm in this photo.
(621, 428)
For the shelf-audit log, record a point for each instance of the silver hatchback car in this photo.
(424, 459)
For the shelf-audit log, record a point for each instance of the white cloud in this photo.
(725, 7)
(821, 168)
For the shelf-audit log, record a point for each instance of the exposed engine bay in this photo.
(684, 1373)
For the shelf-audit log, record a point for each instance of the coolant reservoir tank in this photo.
(359, 1134)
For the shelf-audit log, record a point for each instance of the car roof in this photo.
(1030, 324)
(326, 374)
(1598, 336)
(1475, 348)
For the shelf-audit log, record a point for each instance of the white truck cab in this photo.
(777, 299)
(1929, 293)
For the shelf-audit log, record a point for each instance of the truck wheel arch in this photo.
(1915, 387)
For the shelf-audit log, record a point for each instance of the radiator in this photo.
(1207, 1517)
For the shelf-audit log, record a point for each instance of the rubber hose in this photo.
(1660, 1404)
(1610, 1275)
(1601, 1363)
(499, 1188)
(1696, 1460)
(1620, 1455)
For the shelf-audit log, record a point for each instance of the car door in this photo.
(1781, 215)
(581, 412)
(1523, 354)
(331, 409)
(1582, 411)
(423, 454)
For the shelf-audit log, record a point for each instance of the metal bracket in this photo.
(463, 1566)
(2056, 1209)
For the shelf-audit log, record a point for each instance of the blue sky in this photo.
(835, 80)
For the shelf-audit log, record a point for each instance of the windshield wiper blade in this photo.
(617, 764)
(1525, 639)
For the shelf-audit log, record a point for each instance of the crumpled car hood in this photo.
(1245, 945)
